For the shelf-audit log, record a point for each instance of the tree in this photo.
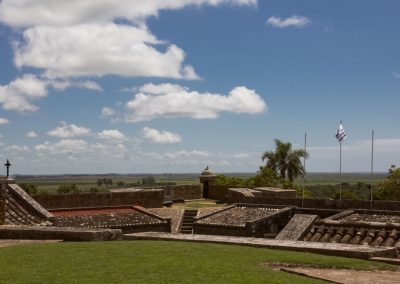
(389, 188)
(265, 177)
(29, 188)
(285, 161)
(232, 181)
(148, 181)
(68, 189)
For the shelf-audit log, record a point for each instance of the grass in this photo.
(158, 262)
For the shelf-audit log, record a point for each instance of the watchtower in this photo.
(207, 177)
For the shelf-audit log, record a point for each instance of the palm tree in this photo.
(285, 160)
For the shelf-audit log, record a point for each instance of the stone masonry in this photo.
(2, 204)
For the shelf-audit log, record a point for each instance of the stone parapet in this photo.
(59, 233)
(2, 204)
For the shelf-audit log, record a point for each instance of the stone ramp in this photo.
(297, 227)
(21, 209)
(362, 252)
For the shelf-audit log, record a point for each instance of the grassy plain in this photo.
(159, 262)
(86, 182)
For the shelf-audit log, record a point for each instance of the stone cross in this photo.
(8, 164)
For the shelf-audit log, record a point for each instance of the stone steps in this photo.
(187, 221)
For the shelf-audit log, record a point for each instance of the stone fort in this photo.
(269, 217)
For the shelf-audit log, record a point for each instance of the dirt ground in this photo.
(7, 243)
(346, 276)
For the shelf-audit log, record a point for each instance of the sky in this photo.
(171, 86)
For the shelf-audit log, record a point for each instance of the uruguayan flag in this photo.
(340, 135)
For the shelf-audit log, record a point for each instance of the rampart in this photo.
(183, 192)
(221, 192)
(148, 198)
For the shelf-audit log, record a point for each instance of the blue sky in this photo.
(173, 86)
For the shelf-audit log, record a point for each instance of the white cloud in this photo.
(176, 101)
(19, 94)
(161, 137)
(396, 75)
(187, 154)
(154, 89)
(25, 13)
(4, 121)
(31, 134)
(62, 147)
(69, 131)
(17, 148)
(293, 21)
(241, 156)
(107, 112)
(111, 134)
(96, 50)
(62, 85)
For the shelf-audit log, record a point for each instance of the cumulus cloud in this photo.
(96, 50)
(80, 38)
(69, 131)
(62, 147)
(19, 94)
(187, 154)
(168, 101)
(106, 112)
(62, 85)
(158, 89)
(4, 121)
(160, 137)
(17, 148)
(31, 134)
(111, 135)
(25, 13)
(293, 21)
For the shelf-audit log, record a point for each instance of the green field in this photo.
(159, 262)
(334, 178)
(86, 182)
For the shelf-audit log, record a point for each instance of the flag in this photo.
(340, 135)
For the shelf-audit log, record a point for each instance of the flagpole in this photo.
(340, 172)
(372, 167)
(304, 169)
(340, 175)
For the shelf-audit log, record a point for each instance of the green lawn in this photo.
(157, 262)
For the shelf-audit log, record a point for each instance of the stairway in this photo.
(187, 222)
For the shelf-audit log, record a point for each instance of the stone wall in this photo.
(265, 226)
(59, 233)
(151, 198)
(183, 192)
(218, 192)
(2, 205)
(324, 203)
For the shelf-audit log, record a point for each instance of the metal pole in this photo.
(372, 167)
(304, 169)
(340, 176)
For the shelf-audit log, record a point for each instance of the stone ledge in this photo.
(59, 233)
(362, 252)
(297, 227)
